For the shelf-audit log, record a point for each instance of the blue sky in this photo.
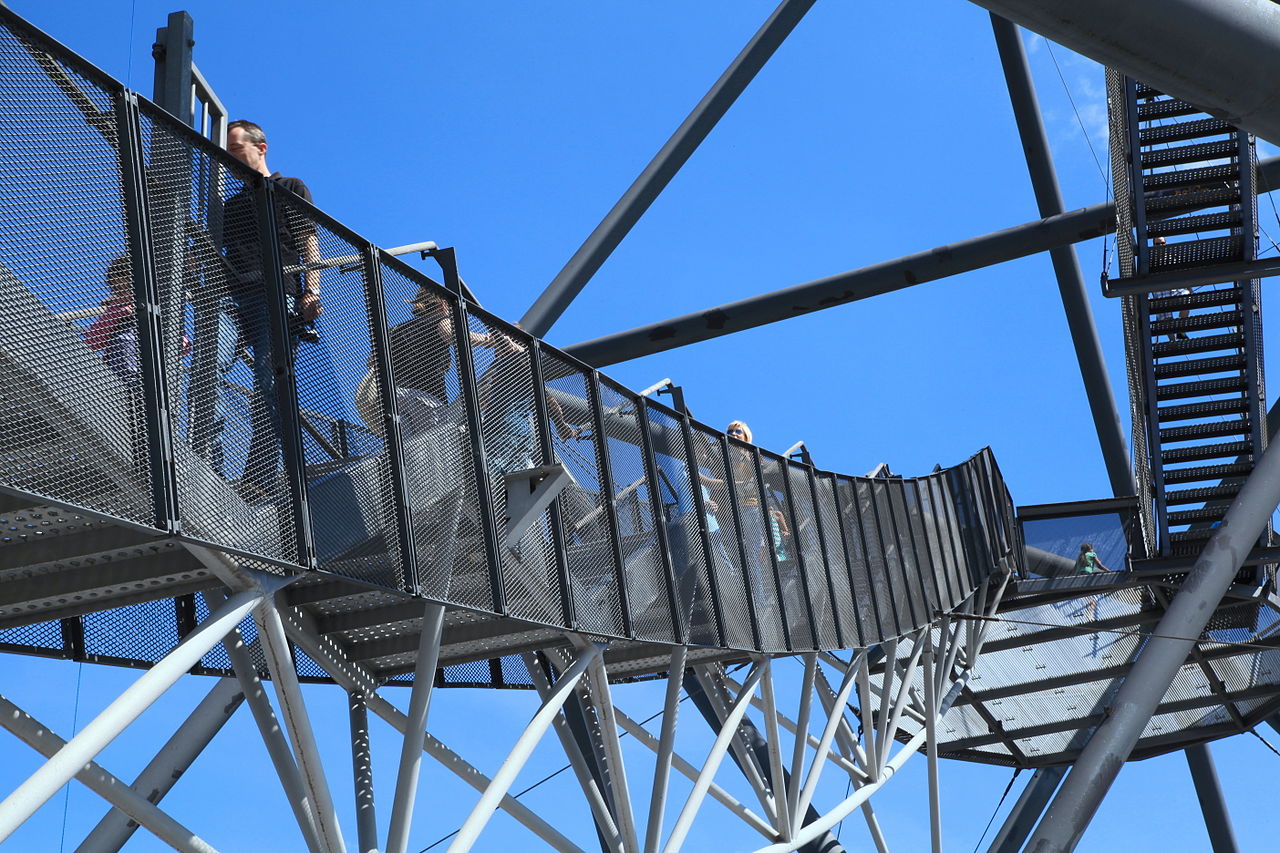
(508, 129)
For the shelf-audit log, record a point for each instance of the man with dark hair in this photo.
(244, 321)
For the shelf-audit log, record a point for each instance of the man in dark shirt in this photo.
(244, 321)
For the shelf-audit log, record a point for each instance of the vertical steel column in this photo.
(1075, 299)
(1173, 639)
(484, 497)
(173, 759)
(362, 774)
(1027, 810)
(172, 86)
(1209, 792)
(569, 282)
(282, 363)
(666, 749)
(375, 300)
(415, 735)
(151, 317)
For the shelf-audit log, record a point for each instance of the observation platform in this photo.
(526, 492)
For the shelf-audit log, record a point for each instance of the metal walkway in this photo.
(432, 497)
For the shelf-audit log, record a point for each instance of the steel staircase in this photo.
(1186, 201)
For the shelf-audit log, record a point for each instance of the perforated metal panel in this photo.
(513, 442)
(780, 542)
(808, 547)
(585, 514)
(722, 532)
(754, 535)
(231, 486)
(71, 419)
(644, 554)
(439, 468)
(684, 528)
(350, 492)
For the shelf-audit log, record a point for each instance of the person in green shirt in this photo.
(1088, 563)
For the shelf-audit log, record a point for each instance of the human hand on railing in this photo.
(309, 306)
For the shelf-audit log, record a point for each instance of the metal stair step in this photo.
(1200, 299)
(1202, 388)
(1206, 343)
(1197, 322)
(1167, 108)
(1193, 224)
(1235, 426)
(1196, 153)
(1174, 203)
(1200, 366)
(1196, 536)
(1187, 411)
(1191, 516)
(1209, 177)
(1206, 451)
(1197, 129)
(1197, 253)
(1208, 493)
(1207, 472)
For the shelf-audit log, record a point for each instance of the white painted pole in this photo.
(62, 767)
(520, 753)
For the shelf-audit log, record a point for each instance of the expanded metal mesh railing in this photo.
(387, 452)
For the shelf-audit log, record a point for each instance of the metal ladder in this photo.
(1186, 201)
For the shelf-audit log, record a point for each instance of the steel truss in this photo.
(871, 714)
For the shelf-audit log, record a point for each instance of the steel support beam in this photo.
(1027, 810)
(424, 675)
(1066, 266)
(952, 259)
(173, 759)
(42, 739)
(284, 678)
(569, 282)
(1075, 804)
(362, 775)
(1212, 803)
(93, 738)
(352, 676)
(273, 739)
(497, 789)
(1176, 46)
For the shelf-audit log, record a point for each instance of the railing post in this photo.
(539, 392)
(480, 468)
(607, 486)
(679, 626)
(282, 364)
(150, 319)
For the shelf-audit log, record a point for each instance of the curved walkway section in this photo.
(155, 376)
